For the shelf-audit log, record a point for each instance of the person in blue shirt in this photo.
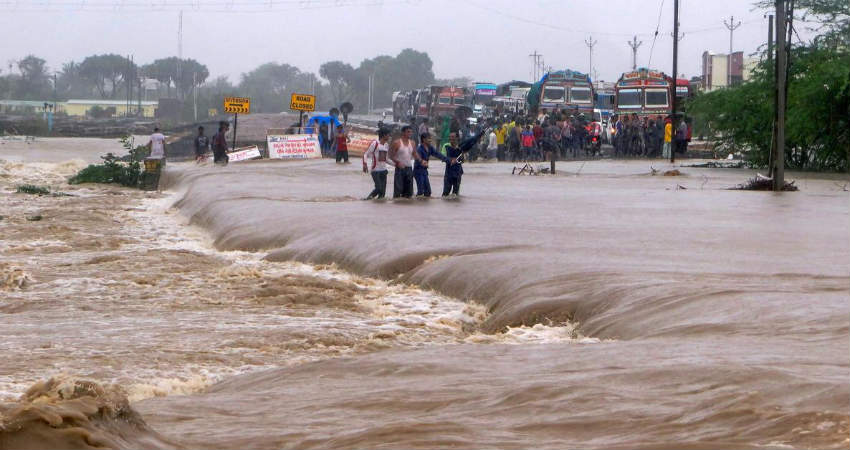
(324, 125)
(454, 167)
(420, 166)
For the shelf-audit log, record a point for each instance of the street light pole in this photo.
(675, 72)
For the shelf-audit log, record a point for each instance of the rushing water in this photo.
(603, 307)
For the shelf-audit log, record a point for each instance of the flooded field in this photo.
(262, 305)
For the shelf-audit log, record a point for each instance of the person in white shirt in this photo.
(375, 163)
(492, 145)
(157, 144)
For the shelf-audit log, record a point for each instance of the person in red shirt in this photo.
(538, 138)
(340, 144)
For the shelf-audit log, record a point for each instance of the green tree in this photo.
(70, 82)
(270, 86)
(341, 79)
(108, 73)
(817, 129)
(34, 82)
(163, 70)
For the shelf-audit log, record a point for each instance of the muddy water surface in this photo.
(604, 307)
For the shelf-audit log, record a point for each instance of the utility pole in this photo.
(781, 49)
(590, 43)
(179, 49)
(771, 63)
(675, 73)
(731, 26)
(535, 64)
(634, 44)
(195, 94)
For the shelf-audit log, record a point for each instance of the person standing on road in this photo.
(157, 145)
(454, 167)
(423, 128)
(341, 144)
(202, 145)
(219, 144)
(668, 136)
(420, 166)
(500, 142)
(528, 143)
(401, 154)
(375, 164)
(681, 136)
(492, 145)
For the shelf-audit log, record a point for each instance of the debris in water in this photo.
(763, 183)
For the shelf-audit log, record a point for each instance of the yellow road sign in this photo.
(237, 105)
(302, 102)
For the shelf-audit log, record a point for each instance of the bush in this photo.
(114, 169)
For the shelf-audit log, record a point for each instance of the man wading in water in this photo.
(420, 167)
(401, 153)
(375, 163)
(454, 169)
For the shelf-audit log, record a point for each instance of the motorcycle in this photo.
(594, 145)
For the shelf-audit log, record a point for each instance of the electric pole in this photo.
(179, 49)
(536, 57)
(771, 63)
(781, 59)
(590, 43)
(731, 26)
(675, 73)
(634, 44)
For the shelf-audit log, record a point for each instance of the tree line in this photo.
(111, 77)
(818, 102)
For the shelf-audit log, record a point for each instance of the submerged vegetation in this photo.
(32, 189)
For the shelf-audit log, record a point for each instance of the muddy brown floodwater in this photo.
(262, 306)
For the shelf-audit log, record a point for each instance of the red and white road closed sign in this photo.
(244, 154)
(294, 146)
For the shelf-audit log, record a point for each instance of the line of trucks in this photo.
(644, 92)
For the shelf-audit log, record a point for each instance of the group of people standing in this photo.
(411, 163)
(524, 139)
(649, 136)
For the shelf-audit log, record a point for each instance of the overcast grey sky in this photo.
(487, 40)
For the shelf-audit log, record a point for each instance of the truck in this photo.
(644, 92)
(562, 90)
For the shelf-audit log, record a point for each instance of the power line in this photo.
(655, 35)
(198, 6)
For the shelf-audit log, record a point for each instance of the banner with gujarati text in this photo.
(294, 146)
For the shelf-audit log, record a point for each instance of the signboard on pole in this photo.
(302, 102)
(293, 146)
(237, 105)
(244, 154)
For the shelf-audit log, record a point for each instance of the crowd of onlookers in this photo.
(564, 135)
(649, 136)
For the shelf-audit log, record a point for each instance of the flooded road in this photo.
(268, 308)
